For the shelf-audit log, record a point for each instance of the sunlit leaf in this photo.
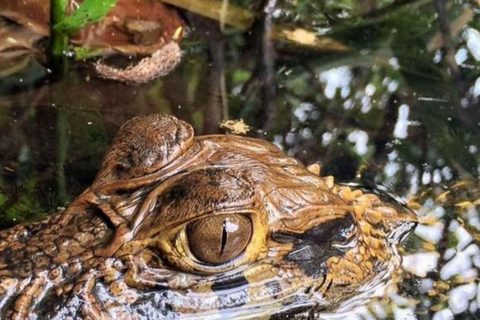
(82, 53)
(442, 197)
(308, 38)
(89, 11)
(464, 205)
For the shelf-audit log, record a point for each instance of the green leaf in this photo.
(86, 53)
(3, 199)
(89, 11)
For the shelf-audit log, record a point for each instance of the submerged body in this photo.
(212, 226)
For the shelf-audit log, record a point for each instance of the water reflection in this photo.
(390, 110)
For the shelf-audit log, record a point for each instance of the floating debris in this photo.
(236, 126)
(157, 65)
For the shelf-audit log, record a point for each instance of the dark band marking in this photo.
(224, 237)
(235, 281)
(329, 285)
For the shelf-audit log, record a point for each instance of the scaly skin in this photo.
(214, 226)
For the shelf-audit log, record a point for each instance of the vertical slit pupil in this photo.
(224, 236)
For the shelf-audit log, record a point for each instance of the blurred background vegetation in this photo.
(378, 91)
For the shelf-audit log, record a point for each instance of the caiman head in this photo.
(223, 226)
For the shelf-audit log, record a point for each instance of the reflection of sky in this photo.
(472, 38)
(303, 111)
(461, 56)
(473, 42)
(401, 126)
(360, 138)
(421, 263)
(458, 266)
(476, 89)
(337, 78)
(327, 138)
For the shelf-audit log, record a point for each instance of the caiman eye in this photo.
(214, 242)
(218, 239)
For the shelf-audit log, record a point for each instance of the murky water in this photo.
(376, 99)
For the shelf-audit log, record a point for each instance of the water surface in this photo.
(380, 100)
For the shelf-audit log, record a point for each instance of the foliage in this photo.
(89, 11)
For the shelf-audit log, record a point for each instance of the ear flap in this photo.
(144, 145)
